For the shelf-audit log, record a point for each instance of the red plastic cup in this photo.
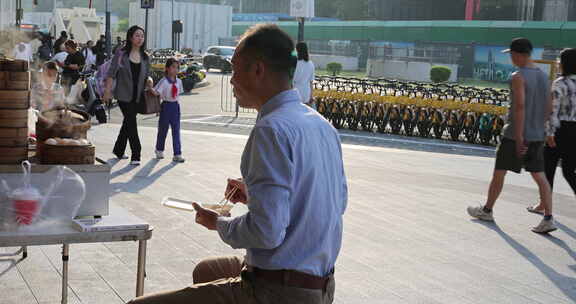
(26, 202)
(25, 211)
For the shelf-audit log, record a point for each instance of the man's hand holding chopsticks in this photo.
(236, 191)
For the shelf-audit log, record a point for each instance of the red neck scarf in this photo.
(174, 87)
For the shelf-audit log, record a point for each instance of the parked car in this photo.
(218, 57)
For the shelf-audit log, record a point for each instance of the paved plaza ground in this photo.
(407, 237)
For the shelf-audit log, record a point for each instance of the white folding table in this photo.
(64, 233)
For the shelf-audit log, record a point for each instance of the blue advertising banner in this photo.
(492, 65)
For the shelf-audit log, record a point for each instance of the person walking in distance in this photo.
(130, 68)
(522, 145)
(100, 50)
(304, 74)
(169, 88)
(561, 127)
(58, 45)
(72, 65)
(293, 184)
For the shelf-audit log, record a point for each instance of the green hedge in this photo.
(440, 73)
(334, 67)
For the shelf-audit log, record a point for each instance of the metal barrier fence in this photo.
(227, 99)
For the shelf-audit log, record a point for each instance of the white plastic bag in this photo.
(51, 196)
(75, 95)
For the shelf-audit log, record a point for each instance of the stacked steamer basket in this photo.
(68, 127)
(14, 104)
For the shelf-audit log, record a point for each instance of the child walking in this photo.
(169, 88)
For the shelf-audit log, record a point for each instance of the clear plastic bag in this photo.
(39, 199)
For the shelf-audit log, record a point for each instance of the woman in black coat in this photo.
(130, 68)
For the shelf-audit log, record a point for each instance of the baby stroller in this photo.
(92, 103)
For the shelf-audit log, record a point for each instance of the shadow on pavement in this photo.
(122, 171)
(568, 231)
(142, 179)
(11, 261)
(562, 282)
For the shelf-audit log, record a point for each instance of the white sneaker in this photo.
(178, 159)
(545, 226)
(479, 213)
(135, 163)
(159, 154)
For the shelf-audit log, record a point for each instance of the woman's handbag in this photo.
(149, 103)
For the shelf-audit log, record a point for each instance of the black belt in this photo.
(291, 278)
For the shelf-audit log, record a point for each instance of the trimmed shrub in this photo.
(334, 67)
(440, 73)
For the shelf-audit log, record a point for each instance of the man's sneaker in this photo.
(178, 159)
(545, 226)
(479, 213)
(159, 154)
(135, 163)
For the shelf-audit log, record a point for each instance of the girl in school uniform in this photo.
(169, 88)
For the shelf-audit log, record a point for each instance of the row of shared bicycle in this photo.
(443, 111)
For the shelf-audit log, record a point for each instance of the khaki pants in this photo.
(226, 281)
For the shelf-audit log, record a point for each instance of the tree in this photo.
(122, 25)
(334, 68)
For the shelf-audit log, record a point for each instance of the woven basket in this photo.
(66, 155)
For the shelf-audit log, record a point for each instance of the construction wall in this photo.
(81, 22)
(348, 63)
(203, 24)
(414, 71)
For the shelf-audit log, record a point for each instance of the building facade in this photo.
(7, 14)
(203, 24)
(521, 10)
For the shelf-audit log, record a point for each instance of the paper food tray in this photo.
(187, 205)
(177, 204)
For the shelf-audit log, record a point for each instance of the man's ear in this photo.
(260, 69)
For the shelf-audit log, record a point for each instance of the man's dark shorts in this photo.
(506, 158)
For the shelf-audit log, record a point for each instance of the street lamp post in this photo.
(108, 34)
(301, 21)
(145, 27)
(172, 22)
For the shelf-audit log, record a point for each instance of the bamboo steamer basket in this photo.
(14, 99)
(13, 65)
(10, 118)
(13, 155)
(67, 155)
(59, 154)
(45, 129)
(17, 81)
(14, 104)
(14, 80)
(13, 137)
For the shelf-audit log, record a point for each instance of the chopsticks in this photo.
(227, 197)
